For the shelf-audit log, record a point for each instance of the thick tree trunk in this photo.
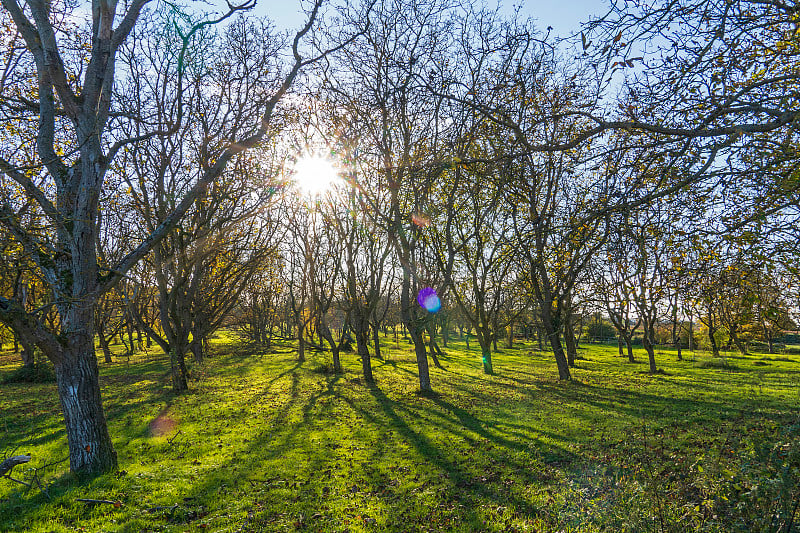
(619, 345)
(177, 365)
(486, 352)
(90, 448)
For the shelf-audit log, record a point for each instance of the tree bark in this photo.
(27, 354)
(554, 336)
(410, 322)
(376, 340)
(569, 340)
(363, 352)
(90, 449)
(647, 342)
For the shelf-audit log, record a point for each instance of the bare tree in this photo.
(73, 108)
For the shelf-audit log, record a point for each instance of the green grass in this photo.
(263, 443)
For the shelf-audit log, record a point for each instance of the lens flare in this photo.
(162, 424)
(429, 300)
(421, 219)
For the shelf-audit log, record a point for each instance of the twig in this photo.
(170, 508)
(175, 436)
(88, 500)
(17, 480)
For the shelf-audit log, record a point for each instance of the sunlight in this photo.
(315, 175)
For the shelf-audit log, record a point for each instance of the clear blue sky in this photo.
(565, 16)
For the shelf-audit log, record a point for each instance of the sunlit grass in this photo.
(262, 443)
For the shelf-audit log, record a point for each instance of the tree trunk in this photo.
(376, 340)
(301, 344)
(90, 449)
(129, 329)
(676, 337)
(197, 349)
(619, 345)
(486, 352)
(363, 352)
(541, 333)
(737, 340)
(569, 340)
(713, 342)
(177, 365)
(27, 354)
(106, 348)
(647, 342)
(554, 336)
(419, 343)
(422, 361)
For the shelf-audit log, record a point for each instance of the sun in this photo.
(315, 175)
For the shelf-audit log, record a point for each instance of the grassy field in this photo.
(263, 443)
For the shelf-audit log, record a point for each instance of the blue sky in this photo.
(565, 16)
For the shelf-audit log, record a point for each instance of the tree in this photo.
(475, 252)
(73, 107)
(397, 121)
